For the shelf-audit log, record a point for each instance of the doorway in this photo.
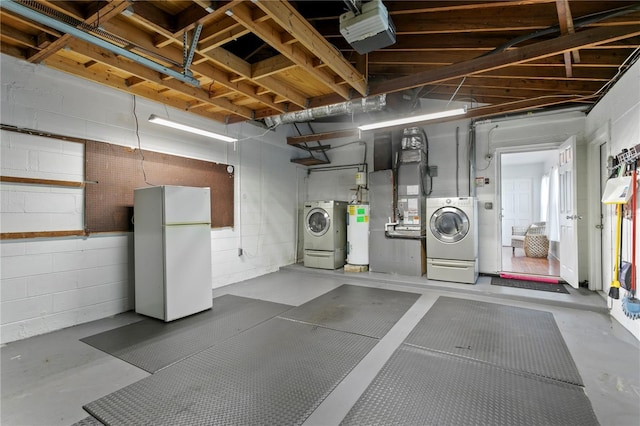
(524, 183)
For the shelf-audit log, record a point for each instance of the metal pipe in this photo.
(529, 115)
(372, 104)
(357, 166)
(36, 16)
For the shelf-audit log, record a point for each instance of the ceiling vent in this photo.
(369, 30)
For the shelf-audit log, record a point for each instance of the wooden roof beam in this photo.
(147, 13)
(108, 58)
(610, 57)
(271, 35)
(398, 8)
(273, 65)
(32, 24)
(125, 30)
(72, 8)
(102, 15)
(222, 58)
(288, 18)
(349, 133)
(506, 58)
(18, 37)
(558, 86)
(200, 12)
(220, 32)
(111, 80)
(566, 27)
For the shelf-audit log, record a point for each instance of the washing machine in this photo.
(325, 234)
(452, 239)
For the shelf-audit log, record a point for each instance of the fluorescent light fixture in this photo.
(414, 119)
(164, 122)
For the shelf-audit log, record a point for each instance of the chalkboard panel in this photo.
(113, 172)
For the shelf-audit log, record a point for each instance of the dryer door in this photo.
(449, 224)
(317, 222)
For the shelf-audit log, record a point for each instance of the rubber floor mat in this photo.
(419, 387)
(153, 344)
(88, 421)
(530, 285)
(355, 309)
(505, 336)
(275, 373)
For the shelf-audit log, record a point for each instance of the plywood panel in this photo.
(113, 172)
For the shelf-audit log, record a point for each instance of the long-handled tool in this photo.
(631, 305)
(614, 288)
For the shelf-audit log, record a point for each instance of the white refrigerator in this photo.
(172, 246)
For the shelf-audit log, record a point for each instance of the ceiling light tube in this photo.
(414, 119)
(164, 122)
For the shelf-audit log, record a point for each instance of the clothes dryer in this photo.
(452, 239)
(325, 234)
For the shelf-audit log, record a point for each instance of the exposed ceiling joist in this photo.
(255, 59)
(566, 27)
(287, 17)
(507, 58)
(107, 12)
(243, 14)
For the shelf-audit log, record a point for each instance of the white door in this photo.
(517, 207)
(604, 175)
(568, 212)
(187, 270)
(185, 204)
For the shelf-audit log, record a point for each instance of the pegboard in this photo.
(113, 172)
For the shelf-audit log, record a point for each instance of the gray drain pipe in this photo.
(372, 104)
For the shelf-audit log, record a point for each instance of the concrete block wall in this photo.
(51, 283)
(619, 110)
(537, 130)
(48, 284)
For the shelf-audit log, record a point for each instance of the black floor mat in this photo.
(514, 338)
(275, 373)
(355, 309)
(529, 285)
(88, 421)
(152, 344)
(421, 387)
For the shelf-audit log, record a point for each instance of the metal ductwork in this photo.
(372, 104)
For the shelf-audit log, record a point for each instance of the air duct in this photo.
(372, 104)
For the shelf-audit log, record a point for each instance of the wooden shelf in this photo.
(309, 161)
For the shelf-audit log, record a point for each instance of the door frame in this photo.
(601, 136)
(498, 191)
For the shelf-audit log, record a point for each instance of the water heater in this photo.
(358, 234)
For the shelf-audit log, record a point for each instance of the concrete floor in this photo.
(46, 379)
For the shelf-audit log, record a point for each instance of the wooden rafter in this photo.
(108, 58)
(220, 57)
(510, 57)
(115, 82)
(107, 12)
(123, 29)
(271, 35)
(299, 61)
(298, 28)
(566, 27)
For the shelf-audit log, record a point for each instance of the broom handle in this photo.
(618, 240)
(633, 231)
